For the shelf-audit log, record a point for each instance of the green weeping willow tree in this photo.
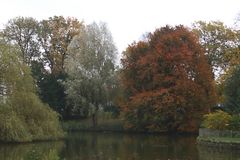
(23, 117)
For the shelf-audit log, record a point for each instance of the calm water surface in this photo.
(116, 146)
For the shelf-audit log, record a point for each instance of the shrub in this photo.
(235, 123)
(218, 120)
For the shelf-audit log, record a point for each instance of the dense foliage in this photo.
(220, 43)
(232, 92)
(218, 120)
(221, 120)
(234, 124)
(43, 47)
(23, 117)
(167, 81)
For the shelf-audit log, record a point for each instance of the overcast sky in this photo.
(128, 20)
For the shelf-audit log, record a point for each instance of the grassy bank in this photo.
(219, 140)
(86, 125)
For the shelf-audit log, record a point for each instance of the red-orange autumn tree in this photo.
(167, 82)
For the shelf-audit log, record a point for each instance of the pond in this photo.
(116, 146)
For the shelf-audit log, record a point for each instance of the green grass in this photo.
(224, 140)
(86, 125)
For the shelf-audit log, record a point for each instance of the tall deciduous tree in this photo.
(167, 81)
(22, 31)
(90, 66)
(219, 41)
(54, 35)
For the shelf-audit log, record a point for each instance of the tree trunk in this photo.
(94, 120)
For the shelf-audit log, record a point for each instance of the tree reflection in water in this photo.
(31, 151)
(116, 146)
(217, 153)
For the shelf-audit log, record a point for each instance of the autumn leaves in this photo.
(167, 81)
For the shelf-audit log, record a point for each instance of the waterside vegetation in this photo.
(61, 69)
